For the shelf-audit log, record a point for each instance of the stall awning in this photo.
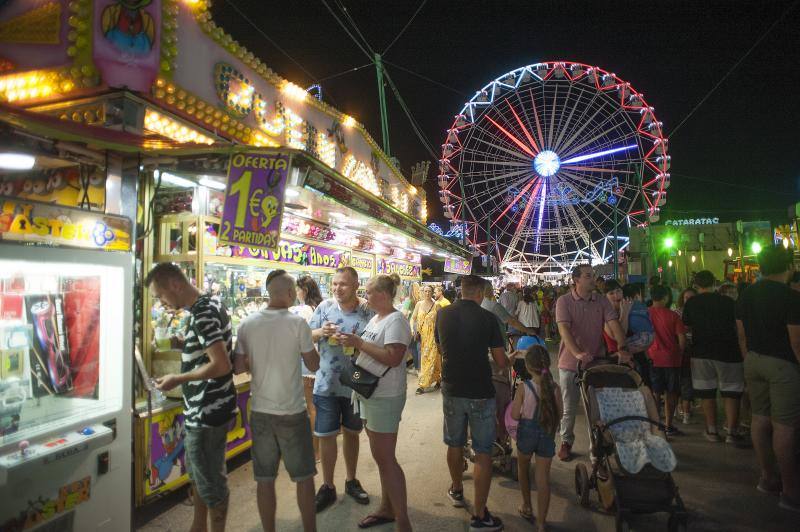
(323, 178)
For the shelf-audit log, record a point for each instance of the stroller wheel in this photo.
(582, 484)
(678, 522)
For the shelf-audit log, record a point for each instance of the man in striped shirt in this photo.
(208, 391)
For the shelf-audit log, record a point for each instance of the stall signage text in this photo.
(297, 253)
(253, 205)
(50, 224)
(458, 265)
(693, 221)
(362, 263)
(403, 269)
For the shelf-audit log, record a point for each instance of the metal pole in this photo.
(616, 245)
(382, 103)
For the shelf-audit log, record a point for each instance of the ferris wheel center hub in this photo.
(546, 163)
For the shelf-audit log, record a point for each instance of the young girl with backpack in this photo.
(537, 406)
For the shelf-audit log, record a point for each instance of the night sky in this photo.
(737, 156)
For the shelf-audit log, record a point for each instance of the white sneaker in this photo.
(686, 418)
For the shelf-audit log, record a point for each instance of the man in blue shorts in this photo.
(465, 333)
(346, 313)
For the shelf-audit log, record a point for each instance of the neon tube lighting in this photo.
(580, 158)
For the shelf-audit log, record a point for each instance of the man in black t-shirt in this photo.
(768, 323)
(208, 391)
(466, 333)
(716, 360)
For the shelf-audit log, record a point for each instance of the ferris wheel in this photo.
(550, 164)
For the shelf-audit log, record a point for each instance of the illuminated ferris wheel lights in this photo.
(546, 163)
(588, 156)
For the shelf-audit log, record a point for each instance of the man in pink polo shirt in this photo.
(581, 314)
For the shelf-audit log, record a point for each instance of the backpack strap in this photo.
(529, 385)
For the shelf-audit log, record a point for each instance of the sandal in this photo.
(374, 520)
(420, 391)
(525, 513)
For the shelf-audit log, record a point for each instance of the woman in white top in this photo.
(527, 311)
(382, 347)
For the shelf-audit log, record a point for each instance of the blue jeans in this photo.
(532, 439)
(205, 462)
(334, 412)
(478, 414)
(414, 347)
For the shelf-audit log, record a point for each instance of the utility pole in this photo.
(616, 245)
(382, 103)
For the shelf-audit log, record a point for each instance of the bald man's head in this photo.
(282, 291)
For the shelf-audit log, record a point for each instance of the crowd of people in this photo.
(339, 365)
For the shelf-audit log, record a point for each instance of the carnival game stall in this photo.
(163, 81)
(66, 316)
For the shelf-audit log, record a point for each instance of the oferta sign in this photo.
(251, 216)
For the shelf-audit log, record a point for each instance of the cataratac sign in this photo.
(693, 221)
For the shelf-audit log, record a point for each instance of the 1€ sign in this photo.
(251, 214)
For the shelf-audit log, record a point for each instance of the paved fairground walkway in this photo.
(717, 482)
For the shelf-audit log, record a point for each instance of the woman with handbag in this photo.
(424, 320)
(381, 349)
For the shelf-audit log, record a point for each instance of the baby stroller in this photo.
(632, 460)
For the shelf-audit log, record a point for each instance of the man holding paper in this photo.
(343, 313)
(381, 350)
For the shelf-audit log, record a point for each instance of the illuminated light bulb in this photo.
(730, 252)
(669, 264)
(16, 161)
(756, 247)
(293, 91)
(348, 121)
(785, 243)
(693, 259)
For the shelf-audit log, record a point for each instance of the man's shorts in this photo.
(205, 462)
(334, 412)
(665, 380)
(382, 414)
(287, 437)
(478, 414)
(706, 374)
(774, 388)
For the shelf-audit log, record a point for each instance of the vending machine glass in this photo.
(65, 380)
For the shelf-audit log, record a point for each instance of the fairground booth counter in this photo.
(238, 172)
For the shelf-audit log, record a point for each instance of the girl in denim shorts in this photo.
(537, 407)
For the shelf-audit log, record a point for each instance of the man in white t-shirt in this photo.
(269, 344)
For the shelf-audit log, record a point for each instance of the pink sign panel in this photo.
(127, 42)
(251, 215)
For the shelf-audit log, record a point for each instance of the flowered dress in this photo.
(430, 372)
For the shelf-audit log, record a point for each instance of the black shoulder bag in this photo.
(362, 381)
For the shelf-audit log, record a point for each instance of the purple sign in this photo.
(251, 216)
(298, 253)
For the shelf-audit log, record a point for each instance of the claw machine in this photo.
(65, 369)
